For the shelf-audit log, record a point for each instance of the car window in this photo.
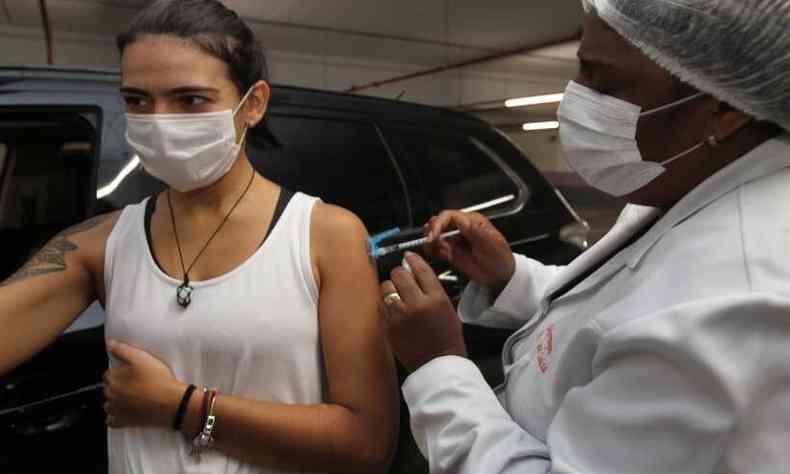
(343, 162)
(451, 171)
(45, 187)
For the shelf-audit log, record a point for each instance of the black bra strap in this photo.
(150, 207)
(282, 202)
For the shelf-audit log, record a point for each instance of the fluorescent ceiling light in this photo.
(532, 126)
(534, 100)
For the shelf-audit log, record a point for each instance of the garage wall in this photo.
(27, 46)
(335, 45)
(451, 88)
(542, 148)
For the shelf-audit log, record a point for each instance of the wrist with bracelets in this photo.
(205, 436)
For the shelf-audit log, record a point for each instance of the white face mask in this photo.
(598, 135)
(186, 151)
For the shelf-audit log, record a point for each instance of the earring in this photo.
(712, 141)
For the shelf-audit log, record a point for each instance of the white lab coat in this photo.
(673, 357)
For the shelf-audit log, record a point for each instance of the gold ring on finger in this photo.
(392, 298)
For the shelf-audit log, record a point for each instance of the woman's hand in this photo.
(481, 252)
(422, 323)
(141, 392)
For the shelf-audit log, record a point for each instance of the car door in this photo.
(50, 407)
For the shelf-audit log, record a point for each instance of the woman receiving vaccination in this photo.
(234, 346)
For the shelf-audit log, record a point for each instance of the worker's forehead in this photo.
(602, 44)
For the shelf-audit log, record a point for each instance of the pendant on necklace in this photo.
(184, 294)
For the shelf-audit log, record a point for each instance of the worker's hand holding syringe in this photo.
(468, 241)
(473, 246)
(422, 323)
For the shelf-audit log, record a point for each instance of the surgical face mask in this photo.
(186, 151)
(598, 135)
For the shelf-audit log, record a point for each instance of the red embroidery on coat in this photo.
(545, 348)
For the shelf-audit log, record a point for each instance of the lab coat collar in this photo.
(633, 219)
(767, 158)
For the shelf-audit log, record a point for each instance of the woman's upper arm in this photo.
(43, 297)
(360, 368)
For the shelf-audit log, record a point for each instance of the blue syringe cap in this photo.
(375, 240)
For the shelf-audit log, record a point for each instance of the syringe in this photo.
(377, 252)
(412, 244)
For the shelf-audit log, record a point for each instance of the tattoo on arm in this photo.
(52, 257)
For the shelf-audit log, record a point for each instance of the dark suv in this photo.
(63, 158)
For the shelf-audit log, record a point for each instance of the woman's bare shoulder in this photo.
(335, 222)
(336, 233)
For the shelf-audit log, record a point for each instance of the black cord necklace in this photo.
(184, 292)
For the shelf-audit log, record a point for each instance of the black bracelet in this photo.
(182, 407)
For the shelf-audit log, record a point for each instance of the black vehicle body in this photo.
(63, 158)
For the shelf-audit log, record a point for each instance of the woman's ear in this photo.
(258, 103)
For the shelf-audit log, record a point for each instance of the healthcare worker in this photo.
(665, 348)
(234, 346)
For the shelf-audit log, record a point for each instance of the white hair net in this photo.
(735, 50)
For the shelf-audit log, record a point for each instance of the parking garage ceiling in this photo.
(420, 33)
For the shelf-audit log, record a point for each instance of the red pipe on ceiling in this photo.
(470, 62)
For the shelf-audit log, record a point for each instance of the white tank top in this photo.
(252, 332)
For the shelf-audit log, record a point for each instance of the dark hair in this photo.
(215, 29)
